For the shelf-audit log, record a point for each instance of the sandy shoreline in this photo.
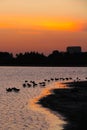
(70, 102)
(54, 119)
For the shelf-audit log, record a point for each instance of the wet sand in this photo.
(54, 119)
(71, 103)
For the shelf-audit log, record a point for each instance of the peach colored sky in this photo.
(35, 25)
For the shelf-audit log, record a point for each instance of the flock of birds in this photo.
(33, 84)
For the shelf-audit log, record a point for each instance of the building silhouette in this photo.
(74, 49)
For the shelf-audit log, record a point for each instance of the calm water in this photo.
(16, 111)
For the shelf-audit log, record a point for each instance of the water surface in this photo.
(16, 110)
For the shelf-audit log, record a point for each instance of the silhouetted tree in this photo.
(6, 58)
(56, 58)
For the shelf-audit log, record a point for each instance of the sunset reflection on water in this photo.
(55, 120)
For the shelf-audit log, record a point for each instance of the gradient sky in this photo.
(35, 25)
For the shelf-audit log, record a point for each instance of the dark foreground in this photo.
(71, 103)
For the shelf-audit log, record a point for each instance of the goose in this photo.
(9, 89)
(24, 85)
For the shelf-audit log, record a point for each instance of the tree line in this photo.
(56, 58)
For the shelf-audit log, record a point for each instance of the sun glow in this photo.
(38, 23)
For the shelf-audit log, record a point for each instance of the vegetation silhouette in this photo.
(56, 58)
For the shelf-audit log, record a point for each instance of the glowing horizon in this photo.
(42, 25)
(39, 23)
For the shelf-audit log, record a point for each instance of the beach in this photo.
(71, 103)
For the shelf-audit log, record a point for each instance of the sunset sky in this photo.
(43, 26)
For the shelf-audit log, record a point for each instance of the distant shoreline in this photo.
(71, 103)
(36, 66)
(55, 59)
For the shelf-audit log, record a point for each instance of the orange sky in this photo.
(42, 26)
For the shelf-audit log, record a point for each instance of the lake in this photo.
(17, 110)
